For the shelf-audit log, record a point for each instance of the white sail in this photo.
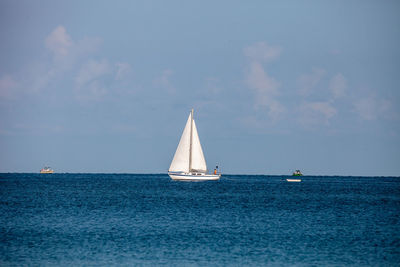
(189, 163)
(180, 163)
(198, 161)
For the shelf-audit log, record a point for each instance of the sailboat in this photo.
(189, 163)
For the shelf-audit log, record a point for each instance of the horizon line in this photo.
(223, 174)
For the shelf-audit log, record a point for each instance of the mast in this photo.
(191, 141)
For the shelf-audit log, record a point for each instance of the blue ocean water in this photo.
(130, 219)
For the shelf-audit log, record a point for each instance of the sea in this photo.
(149, 220)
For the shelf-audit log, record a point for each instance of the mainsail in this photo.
(198, 161)
(189, 155)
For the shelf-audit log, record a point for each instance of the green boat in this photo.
(297, 173)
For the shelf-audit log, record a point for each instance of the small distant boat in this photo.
(297, 173)
(46, 170)
(293, 180)
(189, 163)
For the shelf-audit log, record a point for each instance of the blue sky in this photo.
(106, 86)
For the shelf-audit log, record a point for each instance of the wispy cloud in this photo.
(93, 91)
(66, 56)
(264, 86)
(59, 42)
(91, 71)
(316, 113)
(88, 80)
(373, 108)
(263, 52)
(322, 97)
(123, 69)
(338, 86)
(93, 78)
(307, 82)
(69, 61)
(65, 50)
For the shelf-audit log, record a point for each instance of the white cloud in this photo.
(275, 110)
(372, 108)
(123, 69)
(62, 61)
(314, 113)
(66, 52)
(367, 108)
(92, 91)
(91, 71)
(324, 108)
(59, 42)
(320, 112)
(91, 76)
(36, 77)
(86, 46)
(264, 86)
(90, 80)
(96, 89)
(261, 51)
(307, 82)
(338, 85)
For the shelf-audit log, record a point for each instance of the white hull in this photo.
(293, 180)
(191, 177)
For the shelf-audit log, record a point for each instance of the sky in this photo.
(107, 86)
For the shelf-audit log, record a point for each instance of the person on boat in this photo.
(215, 170)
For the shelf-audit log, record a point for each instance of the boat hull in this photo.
(293, 180)
(191, 177)
(47, 171)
